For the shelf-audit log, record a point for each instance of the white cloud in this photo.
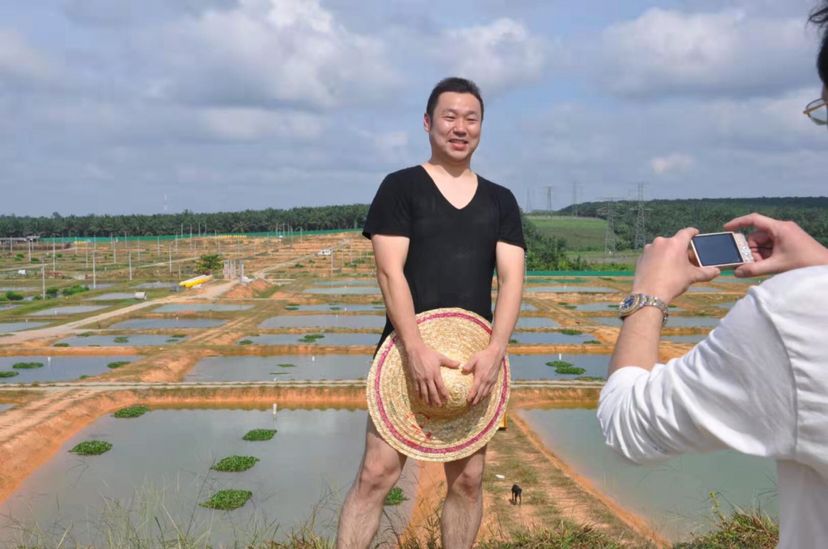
(675, 162)
(245, 124)
(500, 55)
(20, 61)
(724, 53)
(271, 53)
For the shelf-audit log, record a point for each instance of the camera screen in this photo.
(717, 249)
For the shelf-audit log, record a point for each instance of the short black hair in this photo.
(820, 18)
(452, 84)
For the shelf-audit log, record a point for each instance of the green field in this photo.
(580, 233)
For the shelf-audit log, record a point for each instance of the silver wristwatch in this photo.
(634, 302)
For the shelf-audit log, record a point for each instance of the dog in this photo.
(517, 493)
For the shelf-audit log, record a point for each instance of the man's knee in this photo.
(469, 482)
(378, 475)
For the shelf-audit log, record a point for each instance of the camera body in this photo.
(723, 250)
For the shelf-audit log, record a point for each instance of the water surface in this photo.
(8, 327)
(674, 495)
(533, 367)
(58, 368)
(201, 307)
(571, 289)
(344, 290)
(280, 368)
(325, 321)
(166, 323)
(113, 296)
(342, 338)
(536, 322)
(69, 310)
(311, 460)
(548, 338)
(133, 340)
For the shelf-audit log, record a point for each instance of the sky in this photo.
(156, 106)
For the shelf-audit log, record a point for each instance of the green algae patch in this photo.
(227, 500)
(235, 464)
(117, 364)
(259, 434)
(131, 411)
(27, 365)
(564, 367)
(92, 448)
(9, 374)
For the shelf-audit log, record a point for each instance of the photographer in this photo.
(757, 384)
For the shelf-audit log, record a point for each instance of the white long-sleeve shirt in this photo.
(757, 384)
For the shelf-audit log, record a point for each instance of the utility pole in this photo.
(54, 257)
(43, 281)
(129, 257)
(114, 249)
(640, 220)
(609, 231)
(158, 244)
(548, 199)
(169, 247)
(94, 275)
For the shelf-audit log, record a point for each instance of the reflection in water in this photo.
(673, 495)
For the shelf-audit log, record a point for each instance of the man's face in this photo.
(454, 130)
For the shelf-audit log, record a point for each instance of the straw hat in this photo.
(455, 430)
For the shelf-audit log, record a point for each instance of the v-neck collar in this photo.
(446, 200)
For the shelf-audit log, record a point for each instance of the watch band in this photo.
(635, 302)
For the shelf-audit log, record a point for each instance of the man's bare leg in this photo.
(380, 469)
(463, 508)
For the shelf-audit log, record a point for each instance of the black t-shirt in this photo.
(451, 252)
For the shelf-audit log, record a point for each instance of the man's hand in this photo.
(424, 364)
(664, 269)
(777, 246)
(485, 365)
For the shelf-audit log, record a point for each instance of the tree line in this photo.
(247, 221)
(665, 217)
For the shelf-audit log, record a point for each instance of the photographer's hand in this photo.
(664, 269)
(777, 246)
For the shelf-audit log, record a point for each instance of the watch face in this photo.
(628, 304)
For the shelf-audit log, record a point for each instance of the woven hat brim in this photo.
(394, 406)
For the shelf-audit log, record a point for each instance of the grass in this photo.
(235, 464)
(395, 496)
(564, 535)
(117, 364)
(131, 411)
(92, 447)
(9, 374)
(564, 367)
(227, 500)
(246, 342)
(570, 331)
(27, 365)
(739, 529)
(580, 233)
(259, 434)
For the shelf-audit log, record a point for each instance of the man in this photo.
(757, 384)
(438, 231)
